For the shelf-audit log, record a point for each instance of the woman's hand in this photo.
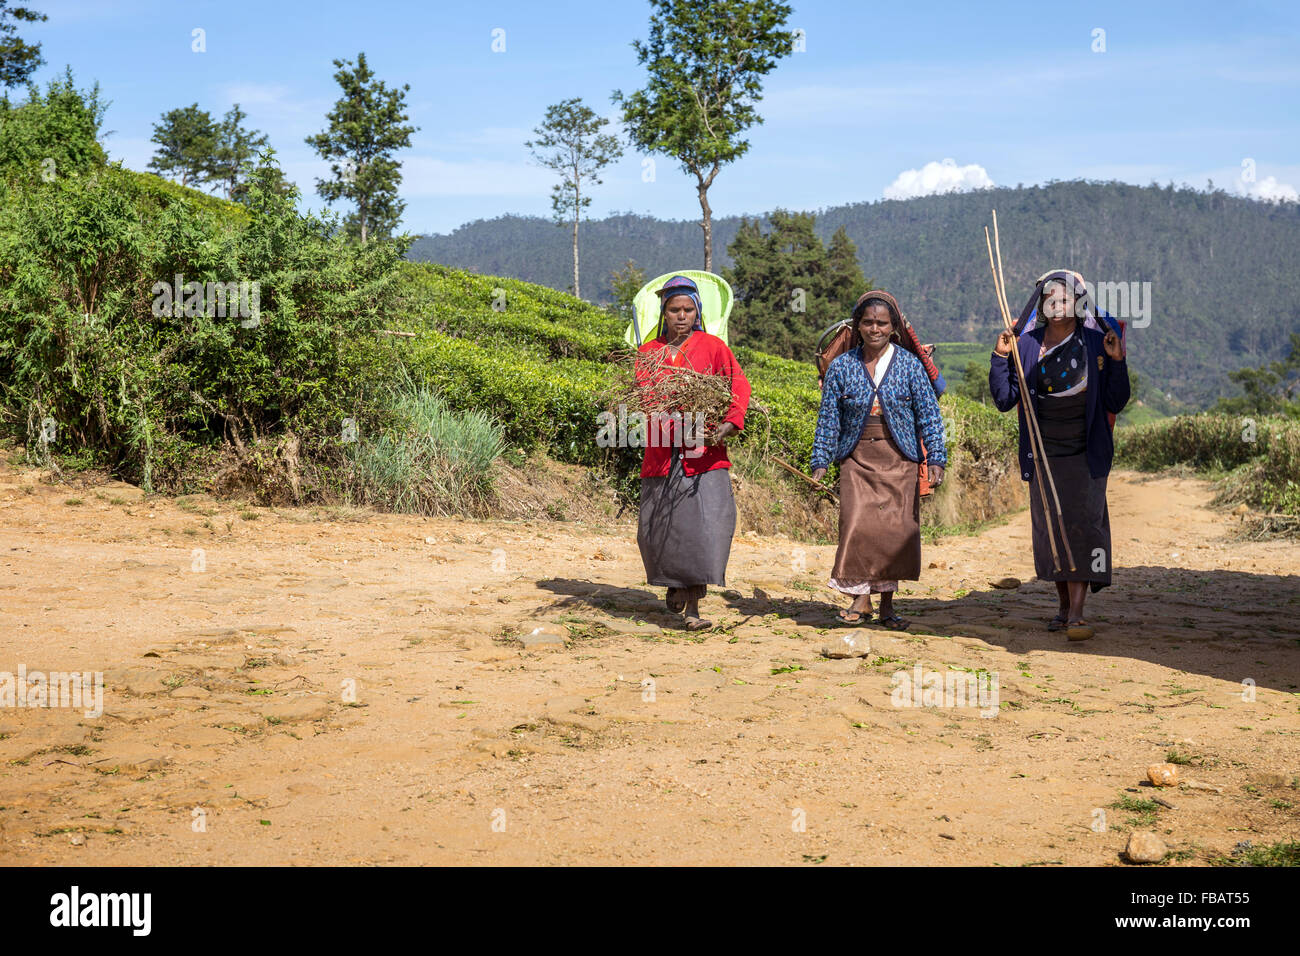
(1006, 341)
(934, 475)
(722, 433)
(818, 474)
(1113, 346)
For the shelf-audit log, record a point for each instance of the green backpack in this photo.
(715, 297)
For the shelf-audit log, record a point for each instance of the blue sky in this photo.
(884, 94)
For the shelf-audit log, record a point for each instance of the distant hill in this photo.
(1224, 271)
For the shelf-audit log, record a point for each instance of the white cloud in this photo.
(944, 177)
(1269, 189)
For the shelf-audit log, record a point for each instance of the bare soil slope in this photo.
(326, 687)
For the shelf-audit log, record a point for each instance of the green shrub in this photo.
(433, 461)
(1205, 441)
(86, 345)
(52, 133)
(1260, 455)
(538, 403)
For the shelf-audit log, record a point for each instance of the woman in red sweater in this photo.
(688, 514)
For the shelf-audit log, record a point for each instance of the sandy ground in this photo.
(315, 687)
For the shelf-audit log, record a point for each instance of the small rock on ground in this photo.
(1144, 847)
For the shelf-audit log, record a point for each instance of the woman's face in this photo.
(679, 316)
(1058, 304)
(875, 325)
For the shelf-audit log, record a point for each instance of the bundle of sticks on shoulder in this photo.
(648, 382)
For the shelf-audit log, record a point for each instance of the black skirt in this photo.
(685, 527)
(1087, 524)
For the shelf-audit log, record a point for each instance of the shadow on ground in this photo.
(1230, 625)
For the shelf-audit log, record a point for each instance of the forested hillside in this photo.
(1223, 270)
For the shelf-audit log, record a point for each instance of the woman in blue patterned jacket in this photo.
(878, 406)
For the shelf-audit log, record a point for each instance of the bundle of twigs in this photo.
(648, 382)
(1042, 472)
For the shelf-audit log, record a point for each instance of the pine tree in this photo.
(187, 145)
(18, 60)
(236, 146)
(787, 286)
(366, 126)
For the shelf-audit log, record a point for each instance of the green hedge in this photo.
(1206, 441)
(538, 403)
(1261, 456)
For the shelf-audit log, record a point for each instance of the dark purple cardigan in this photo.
(1108, 391)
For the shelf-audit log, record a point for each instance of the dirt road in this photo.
(303, 687)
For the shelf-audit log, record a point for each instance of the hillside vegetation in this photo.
(930, 253)
(309, 397)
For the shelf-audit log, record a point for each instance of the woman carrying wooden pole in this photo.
(1075, 377)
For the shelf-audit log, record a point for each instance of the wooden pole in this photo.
(812, 481)
(1030, 421)
(1037, 432)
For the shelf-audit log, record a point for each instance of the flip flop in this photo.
(697, 624)
(893, 622)
(1080, 630)
(853, 617)
(1057, 623)
(675, 603)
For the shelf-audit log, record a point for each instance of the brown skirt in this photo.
(880, 513)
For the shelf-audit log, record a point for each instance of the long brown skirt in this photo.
(1087, 524)
(880, 513)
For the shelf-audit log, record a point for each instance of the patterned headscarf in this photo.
(1083, 306)
(679, 285)
(904, 334)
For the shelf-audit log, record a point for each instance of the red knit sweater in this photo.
(704, 353)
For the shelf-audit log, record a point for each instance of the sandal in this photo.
(1079, 630)
(676, 603)
(851, 617)
(697, 624)
(893, 622)
(1057, 623)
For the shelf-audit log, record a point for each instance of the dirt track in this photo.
(225, 702)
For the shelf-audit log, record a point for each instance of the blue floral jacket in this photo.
(907, 402)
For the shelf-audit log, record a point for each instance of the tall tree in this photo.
(18, 60)
(706, 59)
(788, 286)
(235, 147)
(570, 142)
(187, 145)
(366, 126)
(844, 279)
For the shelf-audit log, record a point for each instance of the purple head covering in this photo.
(680, 285)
